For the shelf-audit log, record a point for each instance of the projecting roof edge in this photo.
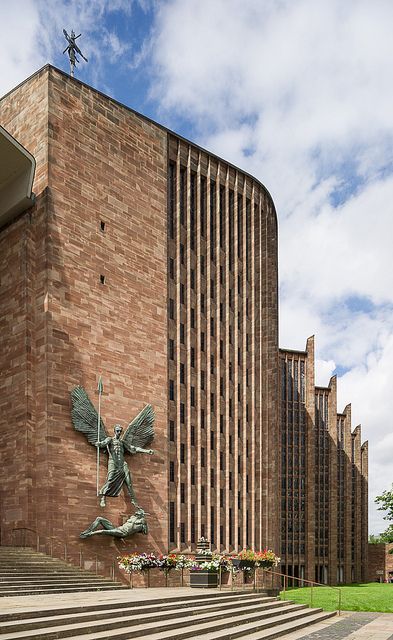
(17, 169)
(147, 119)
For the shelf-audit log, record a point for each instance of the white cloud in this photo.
(300, 95)
(20, 54)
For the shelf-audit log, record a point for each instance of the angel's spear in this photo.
(100, 389)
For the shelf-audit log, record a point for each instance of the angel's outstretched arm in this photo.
(140, 450)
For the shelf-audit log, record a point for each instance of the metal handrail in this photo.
(15, 529)
(311, 582)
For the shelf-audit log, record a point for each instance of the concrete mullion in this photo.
(188, 344)
(358, 501)
(198, 359)
(252, 403)
(217, 287)
(310, 461)
(264, 369)
(228, 420)
(244, 364)
(208, 353)
(260, 337)
(178, 319)
(332, 523)
(347, 496)
(236, 362)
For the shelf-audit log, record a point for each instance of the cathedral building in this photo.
(139, 256)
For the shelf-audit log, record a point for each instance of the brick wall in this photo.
(106, 164)
(380, 562)
(24, 113)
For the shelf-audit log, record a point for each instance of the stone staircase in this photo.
(27, 572)
(211, 616)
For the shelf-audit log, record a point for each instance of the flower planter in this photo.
(246, 565)
(204, 579)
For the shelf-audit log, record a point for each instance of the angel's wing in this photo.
(79, 51)
(140, 432)
(85, 417)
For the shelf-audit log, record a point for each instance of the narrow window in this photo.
(172, 430)
(172, 522)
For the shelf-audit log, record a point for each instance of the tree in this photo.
(385, 537)
(386, 502)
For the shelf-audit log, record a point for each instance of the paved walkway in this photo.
(351, 625)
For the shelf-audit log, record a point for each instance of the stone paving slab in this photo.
(351, 625)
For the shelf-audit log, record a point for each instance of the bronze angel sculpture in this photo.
(139, 433)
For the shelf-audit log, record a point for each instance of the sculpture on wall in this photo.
(139, 433)
(72, 49)
(135, 524)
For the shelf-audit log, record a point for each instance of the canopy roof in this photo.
(17, 168)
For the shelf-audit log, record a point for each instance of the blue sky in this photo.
(300, 94)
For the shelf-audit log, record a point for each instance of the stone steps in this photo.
(214, 616)
(154, 611)
(27, 572)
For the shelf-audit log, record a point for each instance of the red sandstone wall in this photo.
(24, 115)
(106, 164)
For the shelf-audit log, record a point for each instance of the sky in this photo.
(298, 93)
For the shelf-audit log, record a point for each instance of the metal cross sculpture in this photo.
(72, 49)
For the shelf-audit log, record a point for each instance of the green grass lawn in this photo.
(371, 596)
